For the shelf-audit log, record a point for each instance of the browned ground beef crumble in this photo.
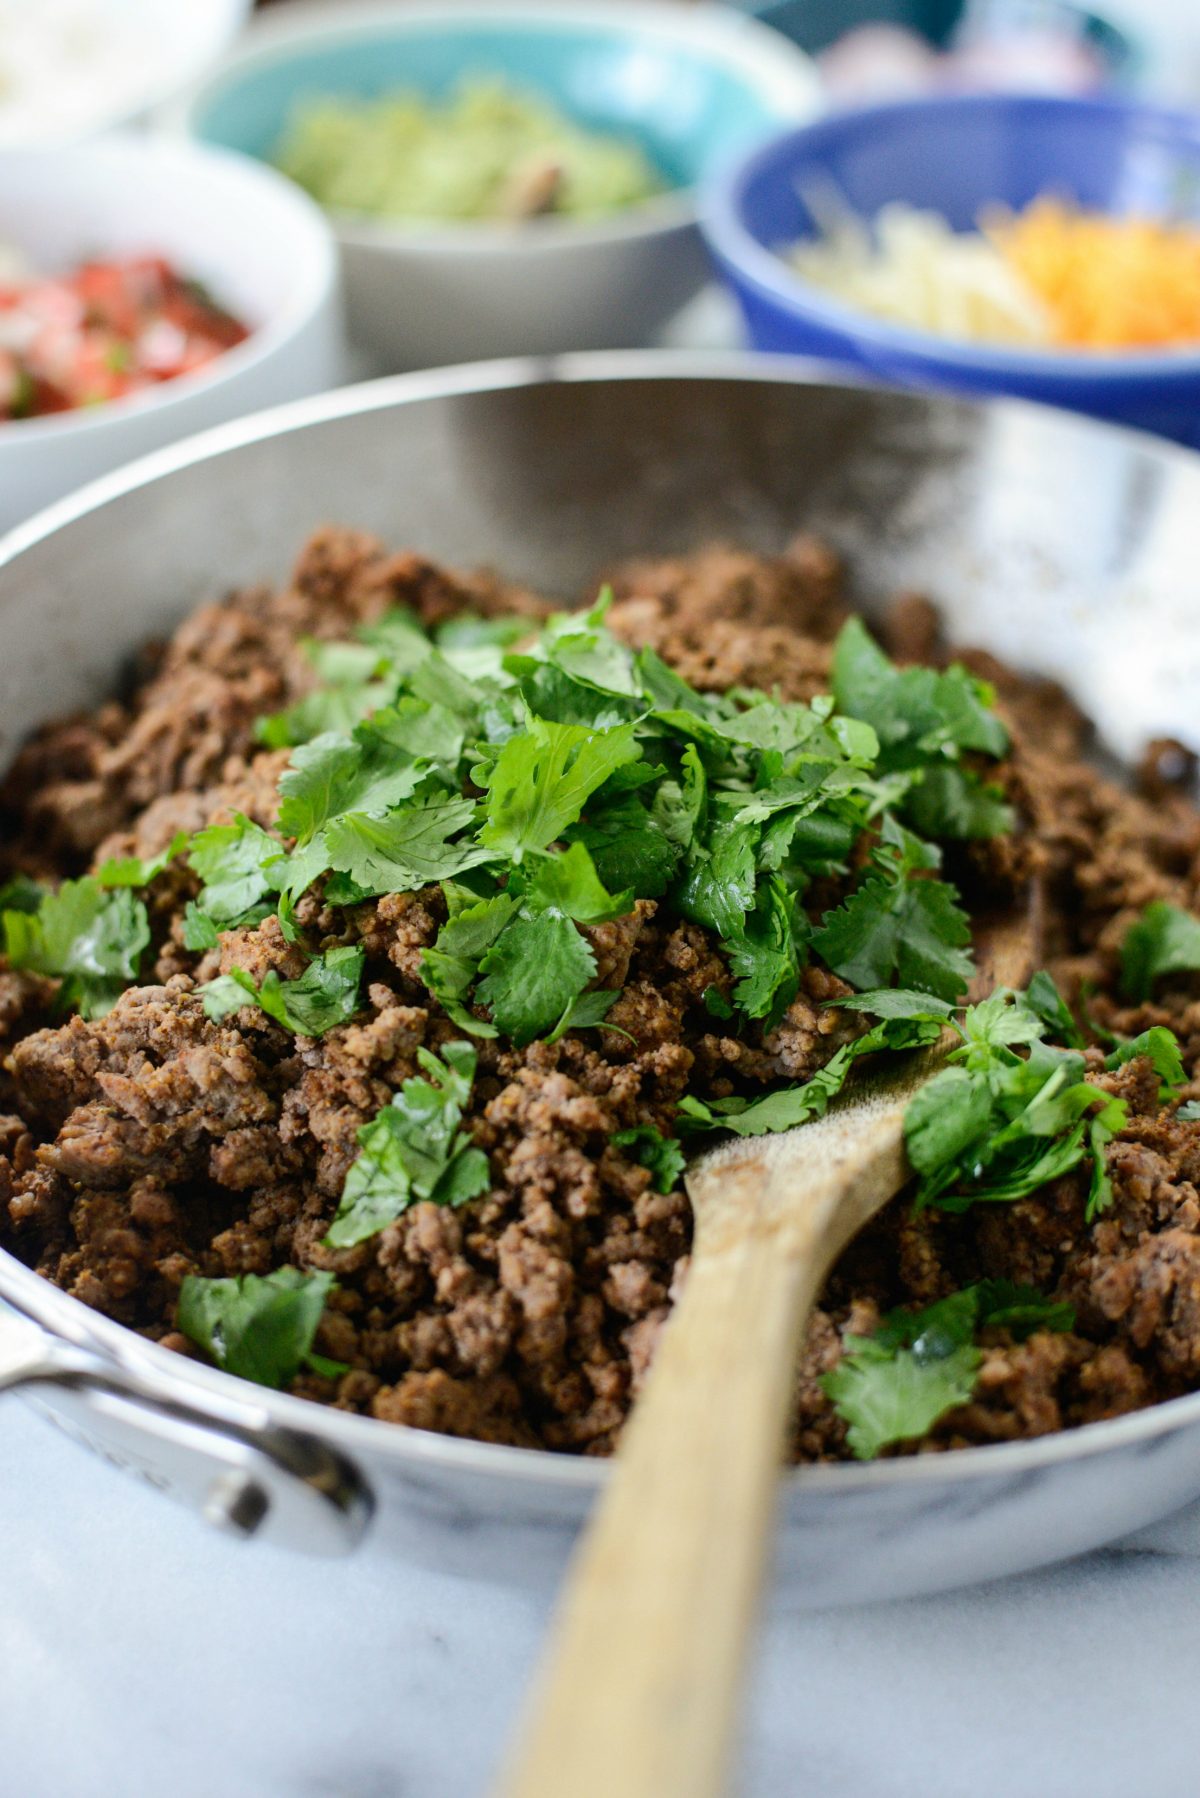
(151, 1144)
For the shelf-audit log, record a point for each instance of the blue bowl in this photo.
(956, 156)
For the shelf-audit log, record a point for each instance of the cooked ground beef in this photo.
(153, 1143)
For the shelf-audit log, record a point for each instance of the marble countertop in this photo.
(140, 1653)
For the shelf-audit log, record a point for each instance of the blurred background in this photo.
(209, 206)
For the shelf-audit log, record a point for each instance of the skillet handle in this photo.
(222, 1458)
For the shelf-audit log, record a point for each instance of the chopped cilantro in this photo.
(260, 1327)
(450, 968)
(200, 932)
(542, 780)
(606, 779)
(925, 721)
(995, 1126)
(718, 889)
(661, 1155)
(21, 894)
(239, 865)
(588, 1012)
(1160, 1046)
(569, 883)
(89, 937)
(533, 974)
(895, 1385)
(410, 847)
(414, 1150)
(793, 1105)
(1044, 998)
(1165, 940)
(335, 774)
(324, 995)
(900, 922)
(133, 871)
(630, 845)
(767, 956)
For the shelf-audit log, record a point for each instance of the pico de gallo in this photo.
(104, 330)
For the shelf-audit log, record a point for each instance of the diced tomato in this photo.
(107, 329)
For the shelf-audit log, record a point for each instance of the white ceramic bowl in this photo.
(263, 249)
(70, 68)
(694, 84)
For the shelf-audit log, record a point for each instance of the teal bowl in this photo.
(694, 86)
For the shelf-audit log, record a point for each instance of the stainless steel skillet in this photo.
(1065, 546)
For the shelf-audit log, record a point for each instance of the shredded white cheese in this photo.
(913, 269)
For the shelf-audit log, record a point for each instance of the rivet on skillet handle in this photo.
(224, 1460)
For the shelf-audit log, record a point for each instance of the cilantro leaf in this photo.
(405, 850)
(235, 863)
(895, 1385)
(996, 1126)
(588, 1012)
(662, 1155)
(794, 1105)
(568, 882)
(944, 1120)
(1164, 940)
(450, 968)
(543, 778)
(629, 845)
(88, 937)
(133, 871)
(259, 1327)
(899, 923)
(718, 889)
(1020, 1309)
(533, 973)
(21, 894)
(913, 711)
(925, 721)
(1161, 1048)
(324, 995)
(1043, 997)
(590, 655)
(891, 1393)
(334, 774)
(767, 957)
(414, 1150)
(897, 1002)
(951, 801)
(200, 932)
(327, 709)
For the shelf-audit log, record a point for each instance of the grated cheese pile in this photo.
(1052, 276)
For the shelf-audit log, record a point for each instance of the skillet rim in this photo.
(402, 1445)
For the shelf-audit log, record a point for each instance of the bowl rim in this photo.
(316, 260)
(745, 259)
(401, 1445)
(783, 76)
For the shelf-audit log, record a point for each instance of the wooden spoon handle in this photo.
(639, 1695)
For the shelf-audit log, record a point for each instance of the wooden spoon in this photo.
(639, 1692)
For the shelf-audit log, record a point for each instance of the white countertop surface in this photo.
(140, 1654)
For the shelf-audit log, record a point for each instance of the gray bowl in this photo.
(1065, 546)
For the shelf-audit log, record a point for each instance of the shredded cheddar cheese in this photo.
(1105, 283)
(1052, 276)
